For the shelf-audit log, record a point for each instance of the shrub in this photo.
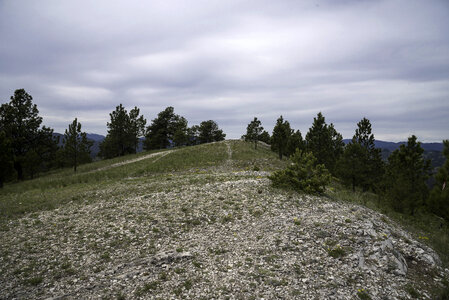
(304, 174)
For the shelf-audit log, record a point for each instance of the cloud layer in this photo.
(232, 60)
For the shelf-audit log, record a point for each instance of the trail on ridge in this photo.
(160, 154)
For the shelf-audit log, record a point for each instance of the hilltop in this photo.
(197, 223)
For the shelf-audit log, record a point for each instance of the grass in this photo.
(150, 286)
(263, 159)
(363, 294)
(63, 186)
(336, 252)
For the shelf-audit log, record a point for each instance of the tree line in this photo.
(401, 181)
(27, 148)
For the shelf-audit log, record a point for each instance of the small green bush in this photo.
(304, 174)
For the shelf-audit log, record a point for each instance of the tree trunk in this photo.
(76, 162)
(255, 144)
(19, 170)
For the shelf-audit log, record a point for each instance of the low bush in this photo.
(303, 174)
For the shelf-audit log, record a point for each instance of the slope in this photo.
(200, 222)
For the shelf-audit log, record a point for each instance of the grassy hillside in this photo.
(197, 223)
(64, 186)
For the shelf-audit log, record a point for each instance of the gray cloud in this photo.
(232, 60)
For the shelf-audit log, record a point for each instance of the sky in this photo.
(231, 61)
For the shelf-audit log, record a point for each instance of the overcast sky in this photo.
(231, 61)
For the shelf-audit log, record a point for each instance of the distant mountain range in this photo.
(96, 139)
(432, 151)
(391, 146)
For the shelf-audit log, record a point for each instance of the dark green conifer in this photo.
(373, 170)
(6, 158)
(324, 142)
(351, 165)
(208, 132)
(166, 130)
(20, 121)
(76, 145)
(253, 132)
(280, 136)
(439, 196)
(406, 175)
(295, 141)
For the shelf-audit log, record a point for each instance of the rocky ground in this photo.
(212, 234)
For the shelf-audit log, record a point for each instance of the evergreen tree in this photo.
(295, 141)
(363, 135)
(439, 196)
(32, 163)
(193, 135)
(180, 132)
(108, 148)
(280, 136)
(6, 158)
(361, 163)
(372, 161)
(124, 132)
(253, 131)
(324, 142)
(161, 133)
(136, 127)
(406, 175)
(265, 137)
(350, 166)
(304, 174)
(76, 145)
(20, 121)
(208, 132)
(336, 148)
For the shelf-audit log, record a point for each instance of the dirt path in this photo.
(160, 154)
(228, 150)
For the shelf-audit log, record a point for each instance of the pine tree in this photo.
(20, 121)
(406, 175)
(373, 166)
(193, 135)
(350, 166)
(324, 142)
(317, 138)
(361, 163)
(208, 132)
(160, 133)
(439, 196)
(295, 141)
(265, 137)
(253, 132)
(124, 131)
(6, 158)
(76, 145)
(180, 132)
(336, 148)
(280, 136)
(136, 127)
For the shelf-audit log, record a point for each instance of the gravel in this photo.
(221, 235)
